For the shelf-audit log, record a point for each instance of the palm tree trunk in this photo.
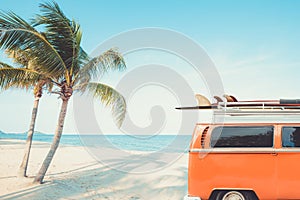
(40, 176)
(24, 164)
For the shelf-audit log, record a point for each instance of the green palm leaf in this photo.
(96, 67)
(21, 58)
(57, 24)
(17, 35)
(18, 77)
(109, 97)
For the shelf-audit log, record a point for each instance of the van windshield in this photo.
(242, 136)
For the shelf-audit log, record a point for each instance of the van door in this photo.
(289, 163)
(242, 157)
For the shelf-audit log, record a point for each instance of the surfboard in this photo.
(232, 102)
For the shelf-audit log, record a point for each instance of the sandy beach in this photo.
(75, 174)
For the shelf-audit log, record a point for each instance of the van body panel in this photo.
(288, 175)
(232, 170)
(272, 172)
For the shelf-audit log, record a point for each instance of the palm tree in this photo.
(28, 41)
(64, 62)
(24, 77)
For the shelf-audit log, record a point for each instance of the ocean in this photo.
(153, 143)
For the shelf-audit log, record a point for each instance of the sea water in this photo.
(175, 143)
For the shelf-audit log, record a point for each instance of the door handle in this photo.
(274, 154)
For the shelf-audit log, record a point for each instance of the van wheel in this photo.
(231, 195)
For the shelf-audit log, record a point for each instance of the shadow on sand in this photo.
(95, 181)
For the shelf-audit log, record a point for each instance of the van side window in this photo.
(203, 136)
(242, 136)
(290, 137)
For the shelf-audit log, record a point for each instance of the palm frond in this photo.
(20, 58)
(80, 57)
(64, 34)
(109, 97)
(18, 77)
(18, 35)
(83, 59)
(4, 65)
(96, 67)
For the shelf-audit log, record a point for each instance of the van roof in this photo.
(248, 124)
(252, 119)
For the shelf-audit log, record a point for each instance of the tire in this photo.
(235, 195)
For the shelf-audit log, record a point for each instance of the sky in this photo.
(254, 44)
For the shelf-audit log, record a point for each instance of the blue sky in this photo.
(255, 45)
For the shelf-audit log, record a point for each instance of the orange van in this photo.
(244, 161)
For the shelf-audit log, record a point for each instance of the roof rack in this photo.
(250, 107)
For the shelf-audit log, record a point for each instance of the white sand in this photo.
(75, 174)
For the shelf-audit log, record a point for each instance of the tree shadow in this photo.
(104, 182)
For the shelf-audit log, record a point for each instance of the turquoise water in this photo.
(176, 143)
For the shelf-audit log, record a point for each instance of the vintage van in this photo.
(246, 159)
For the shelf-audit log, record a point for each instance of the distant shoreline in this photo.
(123, 142)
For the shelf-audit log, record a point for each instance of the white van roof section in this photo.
(283, 110)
